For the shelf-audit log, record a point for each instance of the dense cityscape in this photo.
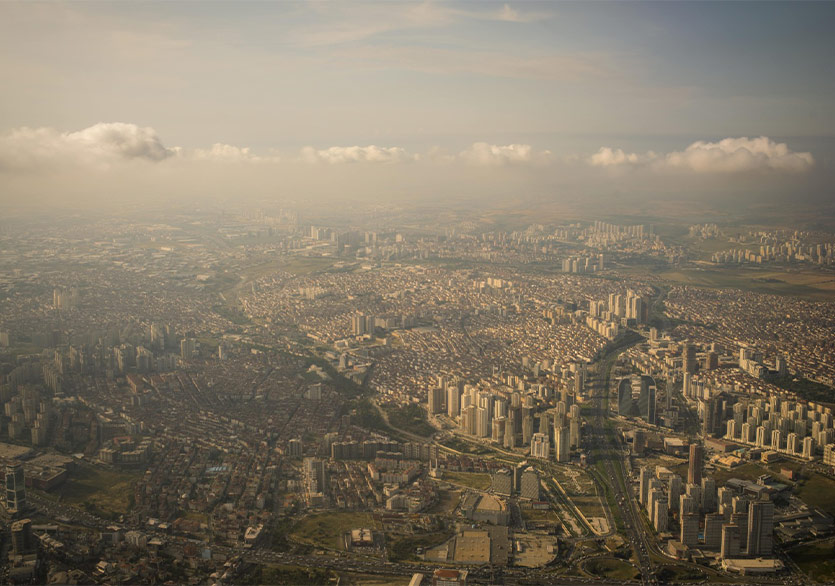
(231, 397)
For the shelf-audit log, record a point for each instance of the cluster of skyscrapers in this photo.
(521, 480)
(726, 520)
(637, 397)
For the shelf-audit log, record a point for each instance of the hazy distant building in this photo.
(317, 475)
(540, 447)
(23, 541)
(647, 399)
(688, 359)
(362, 324)
(562, 443)
(644, 476)
(483, 422)
(435, 401)
(294, 448)
(453, 401)
(527, 429)
(188, 348)
(574, 432)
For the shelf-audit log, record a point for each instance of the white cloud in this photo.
(739, 154)
(228, 153)
(482, 153)
(100, 144)
(104, 145)
(606, 157)
(356, 154)
(730, 155)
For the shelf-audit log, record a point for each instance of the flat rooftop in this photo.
(473, 547)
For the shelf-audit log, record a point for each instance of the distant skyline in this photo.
(143, 97)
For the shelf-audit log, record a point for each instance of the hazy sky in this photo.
(193, 97)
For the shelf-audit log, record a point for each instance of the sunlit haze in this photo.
(106, 104)
(417, 293)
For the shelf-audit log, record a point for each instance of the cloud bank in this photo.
(227, 153)
(730, 155)
(106, 145)
(100, 144)
(482, 153)
(355, 154)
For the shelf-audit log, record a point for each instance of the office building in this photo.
(659, 515)
(540, 447)
(562, 443)
(760, 528)
(23, 541)
(644, 476)
(317, 475)
(453, 401)
(435, 400)
(674, 493)
(294, 448)
(694, 472)
(15, 488)
(188, 348)
(689, 529)
(708, 495)
(713, 530)
(689, 359)
(730, 547)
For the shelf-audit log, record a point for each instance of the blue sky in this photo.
(566, 78)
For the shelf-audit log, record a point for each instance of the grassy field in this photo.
(749, 471)
(540, 515)
(447, 501)
(326, 529)
(590, 506)
(410, 418)
(808, 389)
(470, 479)
(677, 574)
(404, 548)
(284, 574)
(816, 560)
(353, 579)
(813, 284)
(108, 491)
(612, 569)
(580, 488)
(464, 447)
(819, 491)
